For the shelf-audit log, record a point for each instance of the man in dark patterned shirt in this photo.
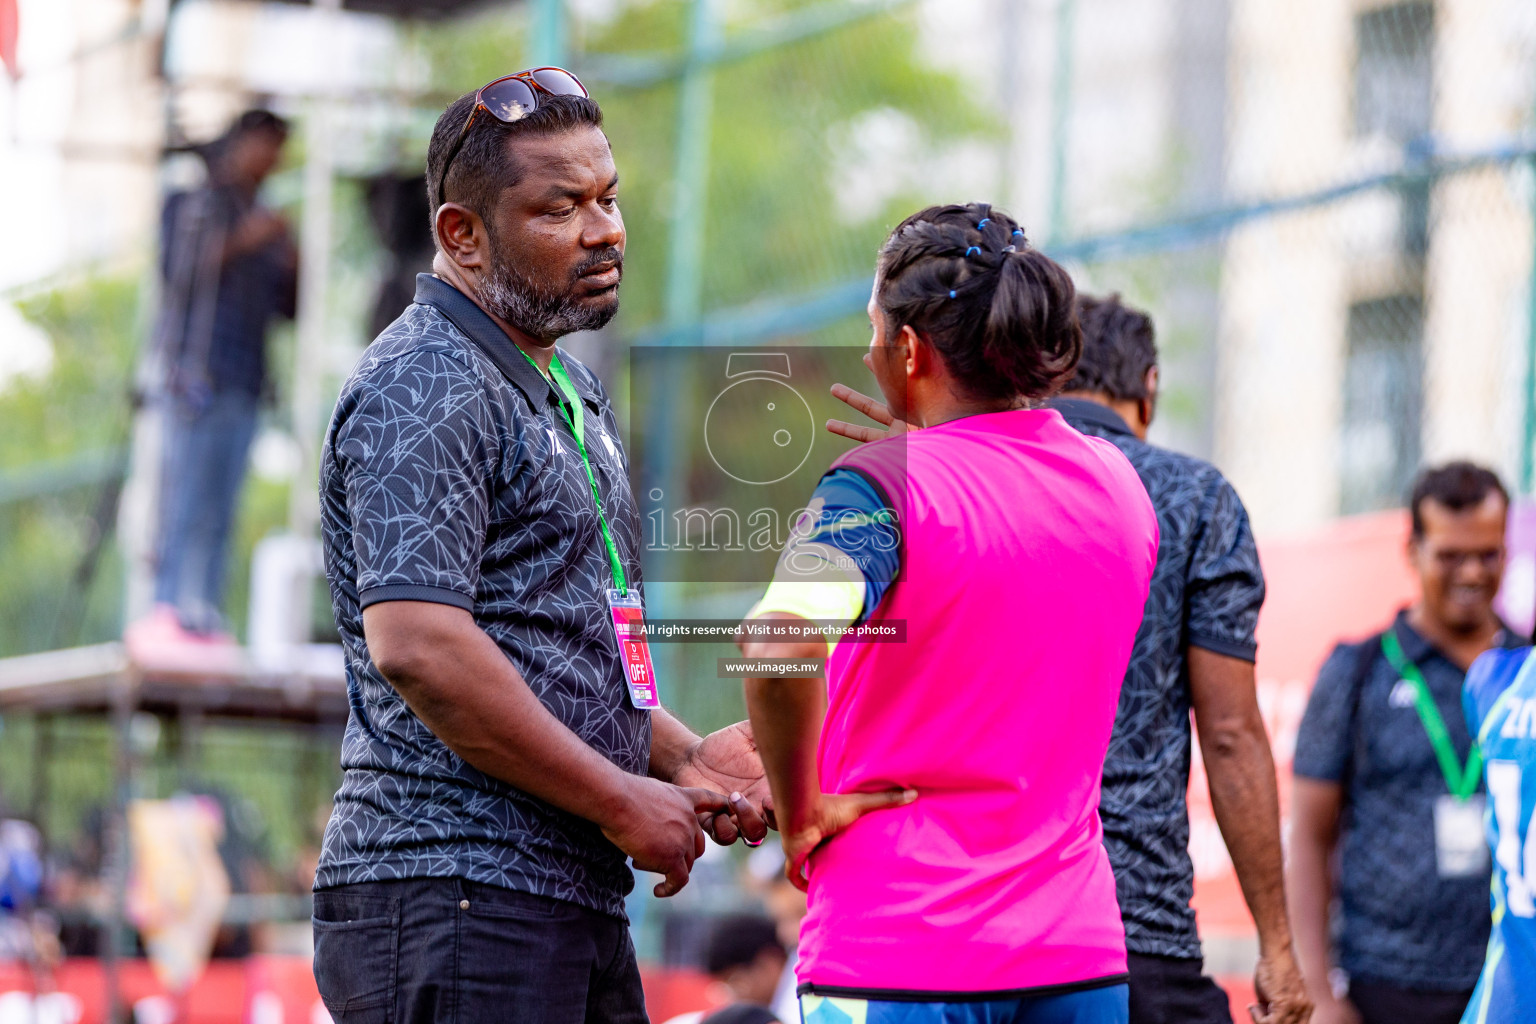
(1195, 649)
(476, 508)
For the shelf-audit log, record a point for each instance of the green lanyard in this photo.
(1461, 781)
(575, 418)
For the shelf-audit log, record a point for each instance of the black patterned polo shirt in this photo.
(449, 475)
(1206, 592)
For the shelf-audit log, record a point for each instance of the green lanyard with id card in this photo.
(624, 604)
(1460, 850)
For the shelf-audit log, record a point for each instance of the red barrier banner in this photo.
(257, 990)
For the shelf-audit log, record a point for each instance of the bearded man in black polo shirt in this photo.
(498, 767)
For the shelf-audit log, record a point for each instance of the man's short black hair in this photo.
(257, 119)
(736, 941)
(1456, 485)
(1119, 347)
(483, 168)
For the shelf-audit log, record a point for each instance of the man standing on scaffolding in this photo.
(229, 267)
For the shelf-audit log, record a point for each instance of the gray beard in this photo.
(512, 297)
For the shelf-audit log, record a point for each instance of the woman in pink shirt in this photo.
(994, 563)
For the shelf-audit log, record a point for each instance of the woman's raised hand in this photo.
(876, 411)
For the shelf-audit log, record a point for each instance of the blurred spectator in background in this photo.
(746, 959)
(229, 267)
(76, 888)
(247, 861)
(1194, 651)
(21, 886)
(1383, 778)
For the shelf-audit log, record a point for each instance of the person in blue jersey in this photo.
(1500, 704)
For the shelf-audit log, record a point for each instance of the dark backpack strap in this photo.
(1363, 661)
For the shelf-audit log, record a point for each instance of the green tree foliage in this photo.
(773, 223)
(65, 433)
(82, 402)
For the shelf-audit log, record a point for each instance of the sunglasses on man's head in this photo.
(509, 100)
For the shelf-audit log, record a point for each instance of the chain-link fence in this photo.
(1328, 213)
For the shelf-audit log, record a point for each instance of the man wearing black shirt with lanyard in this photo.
(499, 766)
(1386, 777)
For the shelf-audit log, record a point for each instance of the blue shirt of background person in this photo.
(1411, 920)
(1500, 703)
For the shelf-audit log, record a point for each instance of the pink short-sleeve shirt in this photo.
(1027, 550)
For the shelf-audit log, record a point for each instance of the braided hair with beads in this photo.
(1002, 315)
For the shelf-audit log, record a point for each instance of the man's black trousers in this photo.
(1170, 990)
(445, 950)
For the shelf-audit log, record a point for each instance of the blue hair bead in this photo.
(984, 222)
(951, 293)
(974, 248)
(1018, 232)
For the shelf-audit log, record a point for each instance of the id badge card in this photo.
(1460, 849)
(634, 649)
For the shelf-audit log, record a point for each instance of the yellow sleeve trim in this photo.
(821, 592)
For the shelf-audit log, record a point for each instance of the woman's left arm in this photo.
(787, 716)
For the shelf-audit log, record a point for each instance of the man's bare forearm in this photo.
(462, 686)
(671, 741)
(1315, 807)
(1244, 793)
(1246, 801)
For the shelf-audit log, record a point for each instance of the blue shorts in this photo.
(1109, 1005)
